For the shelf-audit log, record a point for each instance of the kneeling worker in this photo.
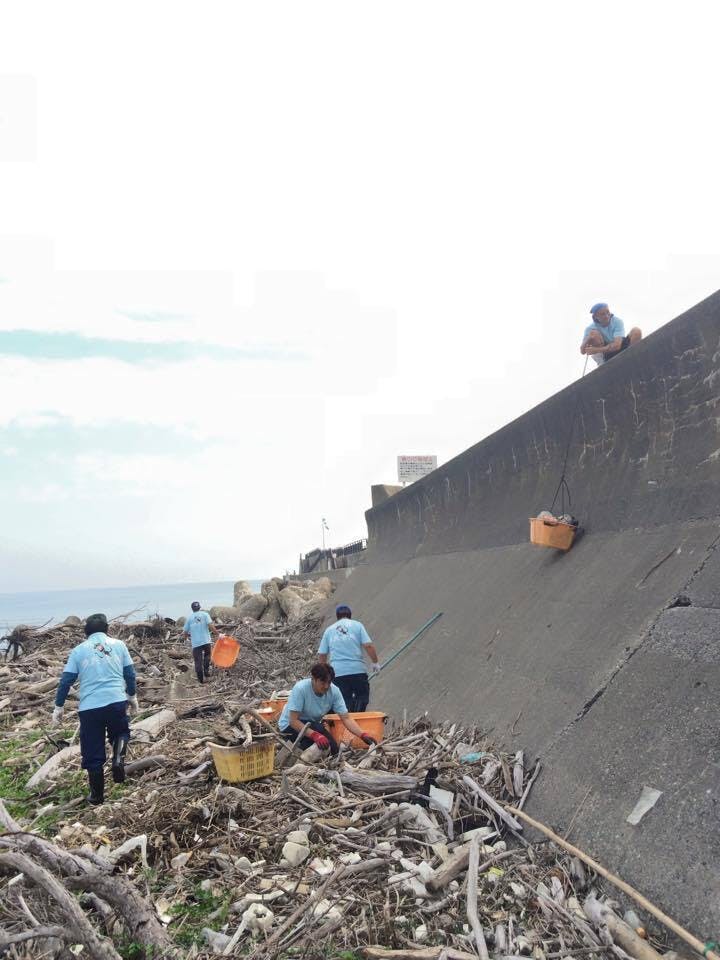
(105, 670)
(309, 701)
(343, 644)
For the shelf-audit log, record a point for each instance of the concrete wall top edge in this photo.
(638, 425)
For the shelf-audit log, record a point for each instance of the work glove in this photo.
(57, 716)
(318, 738)
(133, 705)
(375, 668)
(370, 741)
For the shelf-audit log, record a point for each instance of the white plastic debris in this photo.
(350, 858)
(648, 798)
(322, 867)
(295, 853)
(216, 941)
(421, 933)
(445, 798)
(298, 836)
(134, 843)
(323, 909)
(258, 918)
(178, 862)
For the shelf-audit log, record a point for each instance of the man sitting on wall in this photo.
(605, 337)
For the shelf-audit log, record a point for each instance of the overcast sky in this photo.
(250, 253)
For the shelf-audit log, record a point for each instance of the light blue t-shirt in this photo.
(98, 662)
(343, 642)
(309, 705)
(615, 329)
(197, 626)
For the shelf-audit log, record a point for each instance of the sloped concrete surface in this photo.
(582, 659)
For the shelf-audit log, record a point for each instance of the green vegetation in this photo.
(21, 802)
(195, 914)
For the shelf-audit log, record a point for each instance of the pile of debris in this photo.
(408, 849)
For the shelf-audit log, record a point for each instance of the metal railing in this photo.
(333, 558)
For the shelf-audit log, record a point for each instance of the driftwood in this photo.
(375, 828)
(152, 727)
(50, 854)
(138, 915)
(146, 763)
(34, 933)
(667, 921)
(620, 932)
(79, 926)
(423, 953)
(52, 766)
(472, 893)
(493, 804)
(458, 864)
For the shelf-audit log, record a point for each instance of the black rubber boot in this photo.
(118, 759)
(200, 677)
(96, 778)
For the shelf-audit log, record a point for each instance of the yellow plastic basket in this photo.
(240, 764)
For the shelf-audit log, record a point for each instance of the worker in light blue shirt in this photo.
(605, 337)
(344, 645)
(309, 701)
(198, 627)
(105, 670)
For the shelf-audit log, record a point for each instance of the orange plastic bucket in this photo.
(271, 709)
(551, 533)
(225, 651)
(371, 722)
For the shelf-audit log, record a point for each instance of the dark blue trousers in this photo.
(111, 721)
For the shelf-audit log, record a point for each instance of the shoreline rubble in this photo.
(370, 854)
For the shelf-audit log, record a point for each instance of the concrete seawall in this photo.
(581, 659)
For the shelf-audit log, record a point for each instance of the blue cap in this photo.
(342, 608)
(597, 306)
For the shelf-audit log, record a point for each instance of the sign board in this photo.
(413, 468)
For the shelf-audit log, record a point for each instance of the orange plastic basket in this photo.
(271, 709)
(545, 532)
(225, 651)
(371, 722)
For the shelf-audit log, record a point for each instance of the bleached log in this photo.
(423, 953)
(472, 893)
(151, 727)
(48, 770)
(600, 915)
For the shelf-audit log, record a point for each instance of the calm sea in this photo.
(167, 599)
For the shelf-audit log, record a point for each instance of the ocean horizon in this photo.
(37, 607)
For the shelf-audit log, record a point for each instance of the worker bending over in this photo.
(605, 337)
(309, 701)
(343, 645)
(198, 627)
(105, 670)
